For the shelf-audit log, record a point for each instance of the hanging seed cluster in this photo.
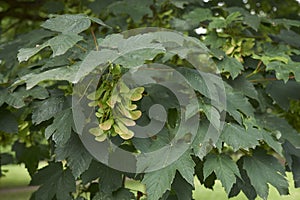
(116, 110)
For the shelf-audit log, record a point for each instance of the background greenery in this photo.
(256, 48)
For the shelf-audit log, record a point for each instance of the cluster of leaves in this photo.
(256, 50)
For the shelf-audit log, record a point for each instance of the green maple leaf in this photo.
(47, 109)
(158, 182)
(238, 137)
(283, 70)
(109, 179)
(292, 156)
(224, 167)
(237, 103)
(61, 127)
(263, 169)
(231, 65)
(55, 182)
(78, 158)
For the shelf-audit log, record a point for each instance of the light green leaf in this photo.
(62, 43)
(78, 158)
(224, 167)
(61, 128)
(283, 70)
(263, 169)
(26, 53)
(59, 44)
(55, 182)
(63, 73)
(67, 23)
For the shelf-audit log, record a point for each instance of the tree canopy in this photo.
(156, 91)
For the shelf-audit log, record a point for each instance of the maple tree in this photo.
(243, 92)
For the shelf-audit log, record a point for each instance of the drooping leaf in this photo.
(8, 122)
(182, 188)
(263, 169)
(158, 182)
(62, 73)
(292, 156)
(242, 85)
(31, 156)
(282, 92)
(237, 103)
(78, 158)
(59, 44)
(243, 184)
(18, 97)
(47, 109)
(281, 127)
(239, 138)
(224, 167)
(55, 182)
(61, 128)
(109, 179)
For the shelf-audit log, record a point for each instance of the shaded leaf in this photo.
(55, 182)
(78, 158)
(61, 128)
(263, 169)
(224, 167)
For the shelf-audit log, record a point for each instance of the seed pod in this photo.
(96, 131)
(106, 125)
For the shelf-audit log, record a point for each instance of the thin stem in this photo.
(256, 70)
(95, 40)
(268, 79)
(80, 47)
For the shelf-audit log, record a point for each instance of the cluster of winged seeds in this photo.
(115, 108)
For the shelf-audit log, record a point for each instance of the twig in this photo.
(95, 39)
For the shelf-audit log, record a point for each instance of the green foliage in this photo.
(250, 50)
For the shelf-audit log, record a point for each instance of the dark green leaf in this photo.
(224, 167)
(8, 122)
(158, 182)
(78, 158)
(263, 169)
(61, 128)
(231, 65)
(109, 179)
(55, 182)
(47, 109)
